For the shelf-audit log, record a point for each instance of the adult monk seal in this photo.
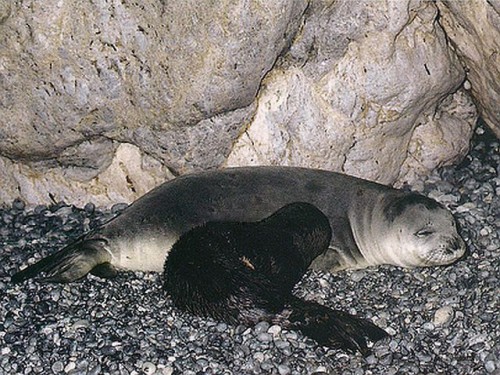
(371, 223)
(243, 273)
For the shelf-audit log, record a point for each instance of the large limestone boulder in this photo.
(176, 79)
(351, 103)
(100, 101)
(474, 29)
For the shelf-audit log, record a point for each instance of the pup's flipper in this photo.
(333, 328)
(71, 263)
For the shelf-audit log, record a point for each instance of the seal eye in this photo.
(424, 233)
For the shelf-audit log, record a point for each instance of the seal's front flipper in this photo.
(333, 328)
(104, 270)
(343, 251)
(69, 264)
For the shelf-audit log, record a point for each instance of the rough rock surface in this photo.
(474, 29)
(175, 87)
(130, 174)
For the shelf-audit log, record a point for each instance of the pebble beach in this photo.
(441, 320)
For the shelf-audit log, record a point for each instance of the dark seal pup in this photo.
(243, 273)
(372, 223)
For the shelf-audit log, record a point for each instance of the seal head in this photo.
(407, 230)
(425, 228)
(392, 227)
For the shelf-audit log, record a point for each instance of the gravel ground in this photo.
(442, 320)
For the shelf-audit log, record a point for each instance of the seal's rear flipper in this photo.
(333, 328)
(71, 263)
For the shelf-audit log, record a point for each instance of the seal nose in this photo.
(456, 246)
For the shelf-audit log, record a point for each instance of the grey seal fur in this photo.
(371, 223)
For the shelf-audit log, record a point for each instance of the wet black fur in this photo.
(243, 273)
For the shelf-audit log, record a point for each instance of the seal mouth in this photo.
(446, 253)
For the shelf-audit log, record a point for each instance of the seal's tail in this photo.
(333, 328)
(71, 263)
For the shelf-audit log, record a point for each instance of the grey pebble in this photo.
(261, 327)
(221, 327)
(428, 326)
(149, 368)
(424, 358)
(274, 330)
(371, 359)
(18, 204)
(82, 323)
(264, 337)
(258, 356)
(267, 366)
(357, 276)
(284, 370)
(89, 208)
(490, 367)
(57, 367)
(443, 315)
(281, 344)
